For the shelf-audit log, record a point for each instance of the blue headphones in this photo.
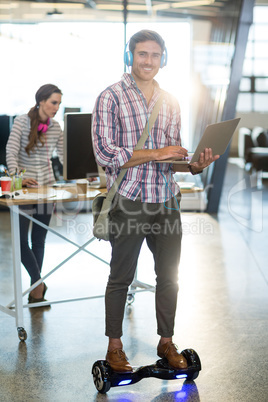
(128, 58)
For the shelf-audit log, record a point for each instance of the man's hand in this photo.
(147, 155)
(205, 159)
(172, 152)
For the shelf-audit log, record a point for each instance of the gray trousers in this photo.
(131, 223)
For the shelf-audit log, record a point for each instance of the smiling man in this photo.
(146, 205)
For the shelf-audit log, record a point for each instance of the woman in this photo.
(32, 141)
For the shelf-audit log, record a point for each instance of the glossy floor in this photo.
(222, 310)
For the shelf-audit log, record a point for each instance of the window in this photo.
(82, 59)
(253, 95)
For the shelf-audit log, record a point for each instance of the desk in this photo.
(47, 195)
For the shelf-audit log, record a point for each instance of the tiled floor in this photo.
(222, 311)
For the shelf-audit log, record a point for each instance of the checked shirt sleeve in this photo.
(105, 133)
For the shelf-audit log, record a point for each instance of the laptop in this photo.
(216, 136)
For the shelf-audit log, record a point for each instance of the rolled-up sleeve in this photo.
(105, 133)
(174, 127)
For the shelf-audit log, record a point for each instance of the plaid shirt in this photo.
(119, 117)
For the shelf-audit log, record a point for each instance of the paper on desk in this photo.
(184, 185)
(32, 196)
(57, 194)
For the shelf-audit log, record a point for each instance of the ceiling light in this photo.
(5, 17)
(31, 16)
(193, 3)
(83, 16)
(112, 7)
(120, 7)
(59, 5)
(7, 6)
(165, 5)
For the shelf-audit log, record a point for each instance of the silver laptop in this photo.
(216, 136)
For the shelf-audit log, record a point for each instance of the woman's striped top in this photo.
(38, 163)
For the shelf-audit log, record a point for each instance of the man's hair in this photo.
(144, 36)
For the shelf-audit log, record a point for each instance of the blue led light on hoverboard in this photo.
(125, 382)
(181, 396)
(181, 376)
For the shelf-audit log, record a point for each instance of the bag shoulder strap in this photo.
(139, 145)
(151, 122)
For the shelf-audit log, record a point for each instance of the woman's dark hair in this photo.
(43, 93)
(143, 36)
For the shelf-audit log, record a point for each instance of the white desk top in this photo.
(48, 194)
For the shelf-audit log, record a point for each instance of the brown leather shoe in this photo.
(118, 360)
(170, 351)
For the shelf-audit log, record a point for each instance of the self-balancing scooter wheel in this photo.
(193, 360)
(101, 377)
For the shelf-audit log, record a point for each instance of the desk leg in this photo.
(15, 233)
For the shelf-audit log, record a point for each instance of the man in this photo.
(146, 205)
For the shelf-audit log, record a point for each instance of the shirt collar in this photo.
(130, 82)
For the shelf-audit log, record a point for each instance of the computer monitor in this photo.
(78, 158)
(5, 127)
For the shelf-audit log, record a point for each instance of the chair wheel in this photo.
(130, 299)
(22, 334)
